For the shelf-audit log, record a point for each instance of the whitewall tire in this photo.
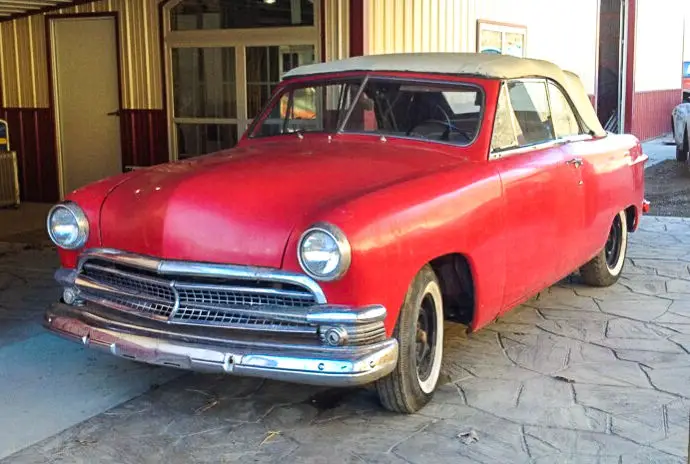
(419, 332)
(606, 267)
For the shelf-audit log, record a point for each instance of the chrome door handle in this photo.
(577, 162)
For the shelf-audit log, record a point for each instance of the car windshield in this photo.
(439, 111)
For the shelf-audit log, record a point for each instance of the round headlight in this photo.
(324, 252)
(67, 226)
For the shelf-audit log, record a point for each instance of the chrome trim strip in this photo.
(345, 315)
(494, 155)
(117, 256)
(187, 268)
(318, 365)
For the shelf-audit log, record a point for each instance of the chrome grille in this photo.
(240, 303)
(145, 295)
(242, 297)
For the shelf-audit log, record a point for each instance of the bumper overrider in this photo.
(111, 303)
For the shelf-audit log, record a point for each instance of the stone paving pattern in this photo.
(577, 374)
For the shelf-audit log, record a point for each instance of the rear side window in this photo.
(503, 137)
(564, 120)
(531, 107)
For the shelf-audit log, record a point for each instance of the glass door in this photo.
(208, 113)
(265, 68)
(205, 100)
(224, 59)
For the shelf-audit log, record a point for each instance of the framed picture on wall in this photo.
(501, 38)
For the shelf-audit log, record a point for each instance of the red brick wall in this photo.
(651, 112)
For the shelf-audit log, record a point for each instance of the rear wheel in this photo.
(683, 151)
(606, 267)
(420, 341)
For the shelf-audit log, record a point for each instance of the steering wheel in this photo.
(449, 127)
(448, 124)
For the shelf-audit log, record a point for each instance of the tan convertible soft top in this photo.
(470, 64)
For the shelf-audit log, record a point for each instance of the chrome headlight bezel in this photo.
(342, 245)
(80, 220)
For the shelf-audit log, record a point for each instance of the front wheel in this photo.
(420, 340)
(606, 267)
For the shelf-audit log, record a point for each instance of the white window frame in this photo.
(502, 28)
(239, 39)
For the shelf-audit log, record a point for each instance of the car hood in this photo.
(240, 206)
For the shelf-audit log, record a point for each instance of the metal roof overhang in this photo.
(11, 9)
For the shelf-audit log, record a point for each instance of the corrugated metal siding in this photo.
(141, 55)
(650, 112)
(336, 29)
(24, 79)
(396, 26)
(23, 62)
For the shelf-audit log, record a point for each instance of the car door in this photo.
(533, 169)
(579, 169)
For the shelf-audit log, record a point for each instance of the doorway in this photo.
(86, 97)
(611, 85)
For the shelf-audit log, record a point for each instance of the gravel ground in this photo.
(668, 188)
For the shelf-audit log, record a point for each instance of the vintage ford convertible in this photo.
(331, 244)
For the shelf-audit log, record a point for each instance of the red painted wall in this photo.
(144, 137)
(356, 27)
(651, 112)
(32, 136)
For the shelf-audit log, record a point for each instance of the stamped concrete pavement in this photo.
(577, 374)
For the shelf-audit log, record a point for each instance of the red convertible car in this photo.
(332, 243)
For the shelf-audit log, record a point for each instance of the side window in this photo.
(531, 107)
(503, 137)
(564, 120)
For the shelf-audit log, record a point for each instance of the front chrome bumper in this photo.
(212, 350)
